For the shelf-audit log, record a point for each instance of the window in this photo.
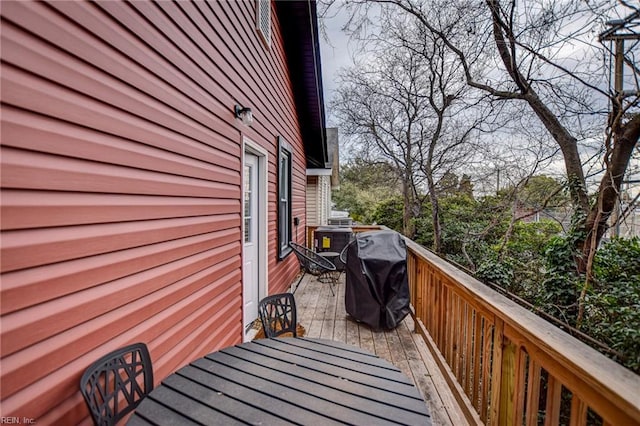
(284, 197)
(264, 20)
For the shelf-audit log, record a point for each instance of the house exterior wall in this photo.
(318, 199)
(324, 206)
(121, 186)
(312, 200)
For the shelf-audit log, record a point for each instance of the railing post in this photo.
(416, 284)
(496, 374)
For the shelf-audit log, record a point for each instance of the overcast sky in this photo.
(334, 51)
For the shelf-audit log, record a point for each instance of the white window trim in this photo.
(283, 246)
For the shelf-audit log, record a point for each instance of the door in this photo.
(251, 249)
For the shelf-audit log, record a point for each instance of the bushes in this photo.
(538, 264)
(612, 311)
(525, 255)
(611, 306)
(560, 286)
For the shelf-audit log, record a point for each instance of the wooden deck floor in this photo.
(324, 316)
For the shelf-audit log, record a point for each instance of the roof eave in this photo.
(300, 32)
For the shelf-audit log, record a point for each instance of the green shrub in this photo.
(612, 308)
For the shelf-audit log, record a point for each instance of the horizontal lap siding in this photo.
(121, 186)
(312, 200)
(264, 73)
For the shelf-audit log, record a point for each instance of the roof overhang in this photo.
(299, 23)
(319, 172)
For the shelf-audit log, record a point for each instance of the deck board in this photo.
(324, 316)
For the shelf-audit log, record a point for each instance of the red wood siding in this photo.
(121, 186)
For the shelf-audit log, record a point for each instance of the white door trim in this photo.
(251, 147)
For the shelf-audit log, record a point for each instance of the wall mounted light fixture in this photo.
(244, 114)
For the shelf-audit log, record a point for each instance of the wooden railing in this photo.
(504, 364)
(511, 366)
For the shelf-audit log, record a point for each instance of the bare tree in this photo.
(445, 138)
(407, 104)
(379, 107)
(547, 57)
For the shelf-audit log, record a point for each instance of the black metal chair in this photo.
(343, 253)
(314, 264)
(110, 385)
(278, 315)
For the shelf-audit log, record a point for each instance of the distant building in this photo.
(321, 181)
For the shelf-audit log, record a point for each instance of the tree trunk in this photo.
(408, 228)
(435, 216)
(565, 140)
(625, 138)
(569, 147)
(437, 229)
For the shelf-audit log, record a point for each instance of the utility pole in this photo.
(621, 30)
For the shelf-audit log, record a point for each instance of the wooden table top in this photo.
(285, 381)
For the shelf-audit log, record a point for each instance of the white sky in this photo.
(335, 54)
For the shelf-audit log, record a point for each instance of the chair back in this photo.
(343, 252)
(311, 261)
(115, 384)
(278, 315)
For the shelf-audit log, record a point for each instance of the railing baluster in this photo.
(457, 340)
(487, 367)
(441, 330)
(468, 384)
(446, 315)
(578, 412)
(497, 397)
(554, 400)
(533, 393)
(520, 385)
(435, 306)
(462, 339)
(477, 355)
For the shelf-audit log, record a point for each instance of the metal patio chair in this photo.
(314, 264)
(343, 253)
(278, 315)
(111, 386)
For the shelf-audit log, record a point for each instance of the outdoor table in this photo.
(285, 381)
(331, 255)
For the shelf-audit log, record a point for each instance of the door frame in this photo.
(248, 146)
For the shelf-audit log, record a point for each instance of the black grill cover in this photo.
(377, 287)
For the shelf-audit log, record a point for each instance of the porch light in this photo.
(244, 114)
